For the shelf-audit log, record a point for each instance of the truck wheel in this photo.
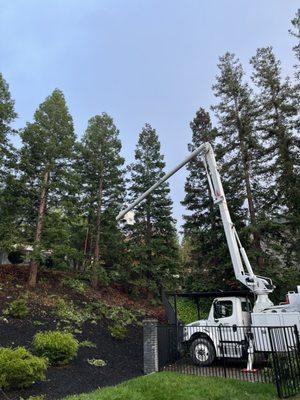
(202, 352)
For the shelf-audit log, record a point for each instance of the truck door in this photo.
(230, 335)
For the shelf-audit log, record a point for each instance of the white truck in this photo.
(235, 315)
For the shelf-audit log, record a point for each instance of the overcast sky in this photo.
(138, 60)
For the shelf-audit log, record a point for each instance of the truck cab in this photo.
(207, 342)
(228, 311)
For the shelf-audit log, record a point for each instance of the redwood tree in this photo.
(102, 185)
(45, 160)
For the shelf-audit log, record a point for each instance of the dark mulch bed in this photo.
(123, 357)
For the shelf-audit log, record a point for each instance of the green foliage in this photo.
(87, 343)
(119, 320)
(17, 308)
(103, 277)
(96, 362)
(99, 166)
(75, 284)
(19, 368)
(48, 144)
(153, 242)
(203, 256)
(186, 310)
(58, 347)
(70, 315)
(118, 331)
(174, 386)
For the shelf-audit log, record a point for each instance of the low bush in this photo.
(75, 284)
(19, 368)
(71, 315)
(58, 347)
(17, 308)
(119, 320)
(118, 331)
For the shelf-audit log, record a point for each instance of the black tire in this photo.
(202, 352)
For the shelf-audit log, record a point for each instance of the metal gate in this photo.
(168, 341)
(286, 359)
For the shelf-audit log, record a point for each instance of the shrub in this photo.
(68, 313)
(118, 331)
(19, 368)
(96, 362)
(103, 278)
(121, 315)
(58, 347)
(75, 284)
(87, 343)
(17, 308)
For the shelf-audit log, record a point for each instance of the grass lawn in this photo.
(173, 386)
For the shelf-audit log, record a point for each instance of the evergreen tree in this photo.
(9, 188)
(236, 112)
(7, 116)
(46, 156)
(207, 259)
(279, 160)
(279, 166)
(103, 190)
(296, 33)
(153, 236)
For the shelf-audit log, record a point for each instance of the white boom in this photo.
(259, 285)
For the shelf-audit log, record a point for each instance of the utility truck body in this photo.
(232, 327)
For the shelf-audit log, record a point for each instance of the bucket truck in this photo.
(232, 312)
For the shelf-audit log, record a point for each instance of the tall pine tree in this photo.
(278, 106)
(103, 192)
(236, 112)
(207, 260)
(153, 236)
(278, 165)
(7, 116)
(295, 31)
(47, 150)
(9, 188)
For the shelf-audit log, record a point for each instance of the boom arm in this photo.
(261, 286)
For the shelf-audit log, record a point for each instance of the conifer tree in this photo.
(236, 113)
(277, 101)
(9, 188)
(103, 189)
(295, 31)
(153, 236)
(7, 116)
(278, 165)
(46, 155)
(207, 257)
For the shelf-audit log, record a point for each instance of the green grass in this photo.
(173, 386)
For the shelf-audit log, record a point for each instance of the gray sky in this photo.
(139, 60)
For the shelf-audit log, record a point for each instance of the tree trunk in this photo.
(38, 231)
(94, 280)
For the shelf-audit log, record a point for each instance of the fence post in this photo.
(296, 332)
(276, 368)
(150, 346)
(222, 350)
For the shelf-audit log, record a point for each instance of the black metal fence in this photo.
(255, 354)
